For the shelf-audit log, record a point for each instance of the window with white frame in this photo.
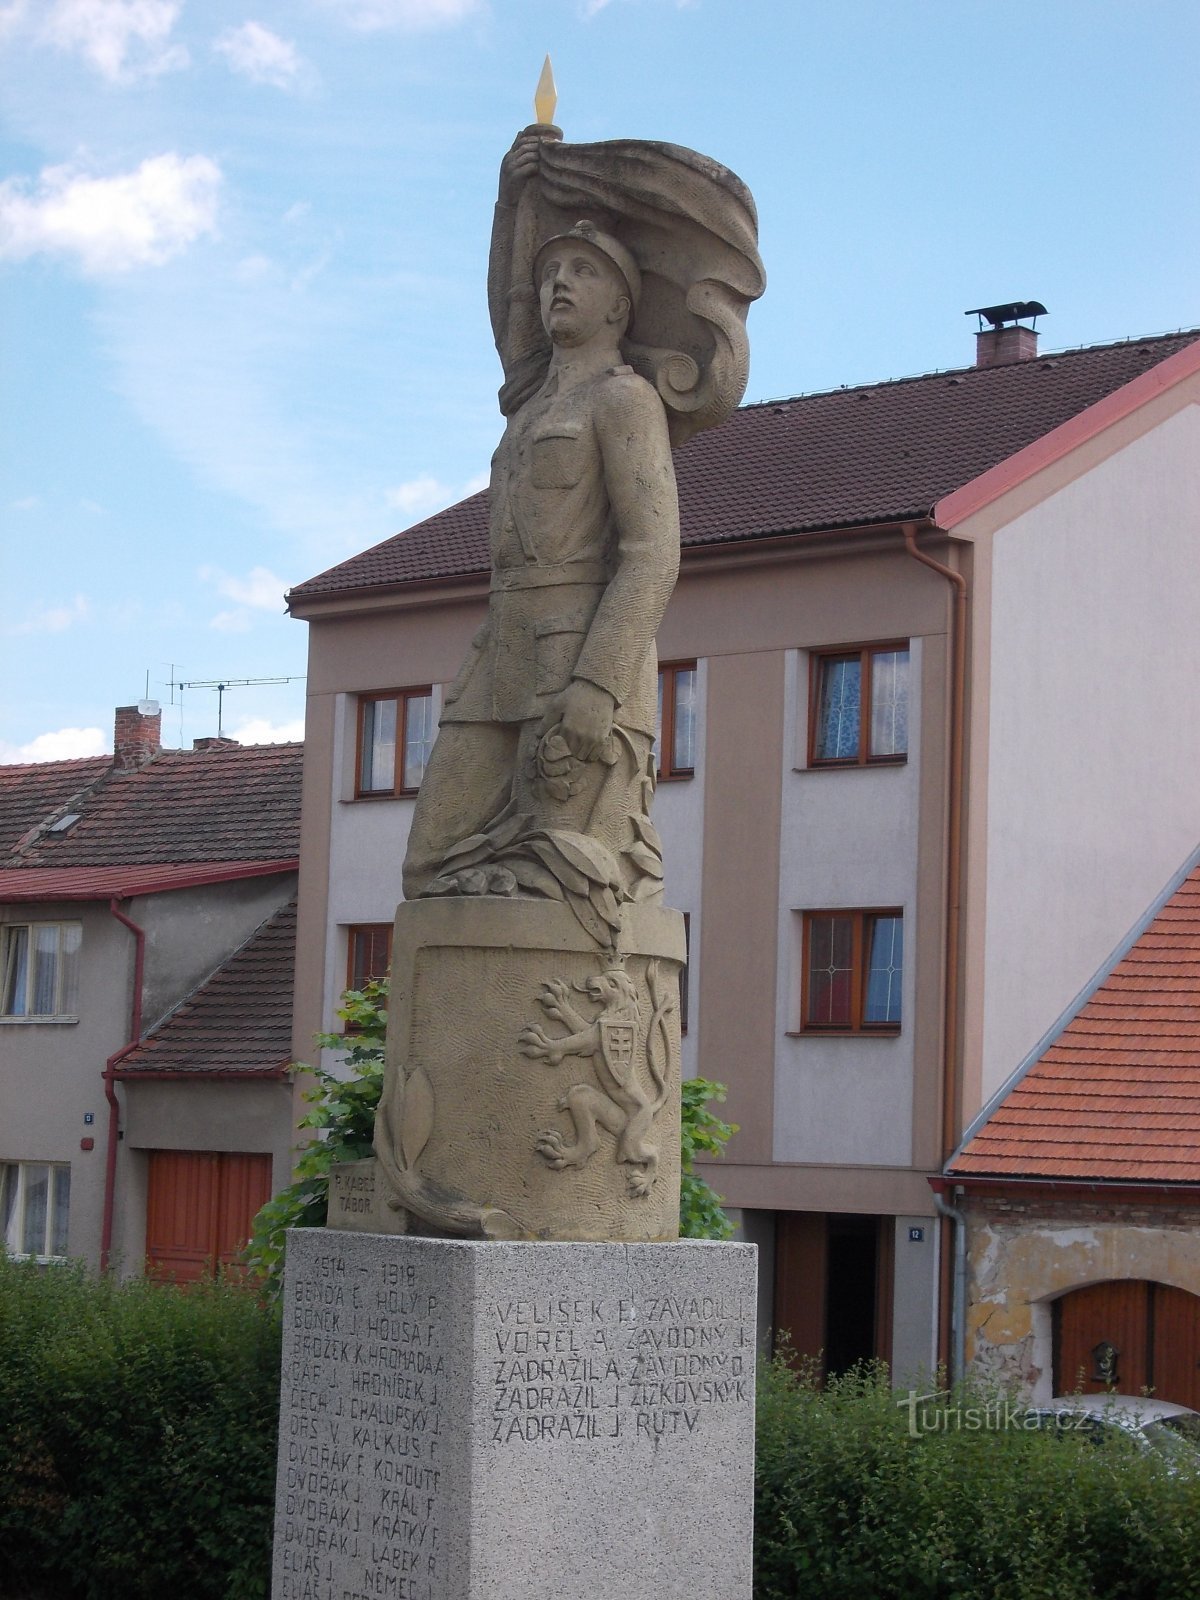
(39, 969)
(35, 1204)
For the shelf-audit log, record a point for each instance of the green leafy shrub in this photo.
(137, 1437)
(343, 1115)
(850, 1503)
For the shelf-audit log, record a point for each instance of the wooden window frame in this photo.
(668, 772)
(816, 662)
(400, 786)
(7, 932)
(859, 974)
(373, 930)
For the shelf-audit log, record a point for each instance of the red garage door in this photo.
(1137, 1335)
(199, 1209)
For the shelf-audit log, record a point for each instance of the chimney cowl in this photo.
(137, 735)
(1006, 338)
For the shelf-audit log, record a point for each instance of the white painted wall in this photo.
(678, 814)
(849, 839)
(1094, 726)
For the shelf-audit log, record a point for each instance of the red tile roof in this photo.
(238, 1021)
(31, 793)
(1117, 1095)
(878, 453)
(231, 804)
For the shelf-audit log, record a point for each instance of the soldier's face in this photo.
(581, 294)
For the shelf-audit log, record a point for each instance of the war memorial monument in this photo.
(505, 1377)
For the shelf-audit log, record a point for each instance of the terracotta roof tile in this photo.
(31, 793)
(1117, 1095)
(238, 1021)
(878, 453)
(238, 803)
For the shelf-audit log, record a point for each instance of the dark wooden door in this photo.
(1130, 1335)
(200, 1205)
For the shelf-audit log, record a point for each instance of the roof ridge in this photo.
(969, 367)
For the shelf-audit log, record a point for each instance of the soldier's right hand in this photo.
(519, 165)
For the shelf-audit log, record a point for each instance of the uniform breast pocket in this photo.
(558, 643)
(559, 460)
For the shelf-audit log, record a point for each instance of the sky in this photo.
(243, 250)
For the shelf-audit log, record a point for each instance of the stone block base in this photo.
(466, 1420)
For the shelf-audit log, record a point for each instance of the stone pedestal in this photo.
(512, 1421)
(532, 1086)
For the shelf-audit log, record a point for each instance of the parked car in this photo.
(1172, 1430)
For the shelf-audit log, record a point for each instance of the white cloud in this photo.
(260, 588)
(256, 53)
(136, 219)
(122, 39)
(53, 619)
(28, 502)
(63, 745)
(409, 16)
(259, 731)
(231, 622)
(422, 496)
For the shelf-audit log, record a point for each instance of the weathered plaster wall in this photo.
(1022, 1255)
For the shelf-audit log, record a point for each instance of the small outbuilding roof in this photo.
(1116, 1096)
(238, 1022)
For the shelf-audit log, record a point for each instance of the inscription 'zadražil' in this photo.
(594, 1369)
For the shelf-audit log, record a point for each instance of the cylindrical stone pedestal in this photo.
(532, 1086)
(489, 1421)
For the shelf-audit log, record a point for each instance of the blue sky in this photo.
(243, 251)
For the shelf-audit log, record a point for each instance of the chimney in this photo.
(215, 741)
(1006, 338)
(136, 735)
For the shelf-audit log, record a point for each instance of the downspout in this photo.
(110, 1080)
(958, 1300)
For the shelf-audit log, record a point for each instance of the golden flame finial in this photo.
(545, 96)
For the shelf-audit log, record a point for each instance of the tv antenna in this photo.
(220, 685)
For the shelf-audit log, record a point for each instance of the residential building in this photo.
(925, 755)
(146, 954)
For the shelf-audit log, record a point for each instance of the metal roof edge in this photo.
(1067, 1016)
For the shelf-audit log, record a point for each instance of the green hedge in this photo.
(137, 1459)
(137, 1438)
(850, 1504)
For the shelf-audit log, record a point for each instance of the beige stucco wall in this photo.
(1086, 736)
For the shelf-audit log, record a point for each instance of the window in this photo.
(39, 969)
(35, 1199)
(859, 706)
(395, 735)
(369, 953)
(675, 747)
(853, 971)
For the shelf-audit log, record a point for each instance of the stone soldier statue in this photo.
(542, 771)
(619, 279)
